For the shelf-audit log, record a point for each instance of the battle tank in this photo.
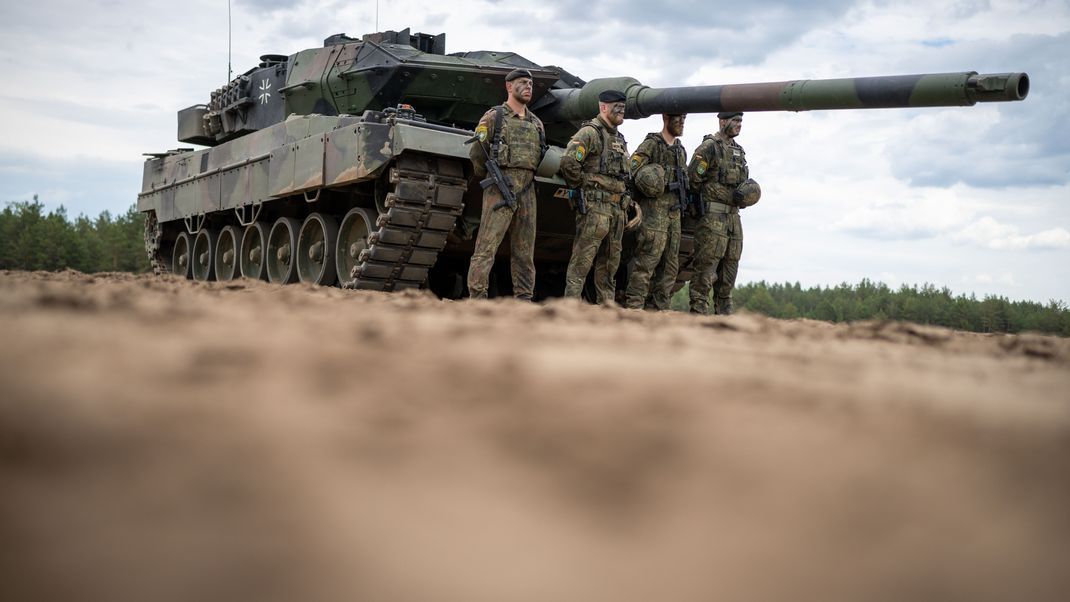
(347, 163)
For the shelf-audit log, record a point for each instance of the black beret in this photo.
(611, 96)
(729, 114)
(517, 74)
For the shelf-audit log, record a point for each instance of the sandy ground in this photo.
(162, 440)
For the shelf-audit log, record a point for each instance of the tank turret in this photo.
(381, 70)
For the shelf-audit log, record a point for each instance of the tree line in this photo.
(926, 304)
(31, 239)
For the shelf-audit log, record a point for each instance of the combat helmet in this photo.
(650, 180)
(747, 193)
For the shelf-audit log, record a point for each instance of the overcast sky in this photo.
(976, 199)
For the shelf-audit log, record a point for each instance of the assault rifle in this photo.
(495, 177)
(685, 198)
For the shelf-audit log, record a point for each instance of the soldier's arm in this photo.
(699, 168)
(542, 131)
(641, 156)
(576, 154)
(478, 156)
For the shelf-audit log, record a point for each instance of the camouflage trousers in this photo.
(657, 257)
(598, 242)
(718, 248)
(493, 224)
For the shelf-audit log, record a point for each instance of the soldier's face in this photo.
(520, 89)
(675, 124)
(732, 127)
(613, 112)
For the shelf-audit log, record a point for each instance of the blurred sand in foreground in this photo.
(163, 440)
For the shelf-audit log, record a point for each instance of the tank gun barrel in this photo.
(894, 91)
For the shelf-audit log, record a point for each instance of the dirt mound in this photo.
(167, 440)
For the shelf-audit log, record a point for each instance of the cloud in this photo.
(84, 185)
(911, 219)
(1004, 279)
(267, 5)
(936, 216)
(1014, 145)
(938, 42)
(673, 37)
(988, 232)
(140, 115)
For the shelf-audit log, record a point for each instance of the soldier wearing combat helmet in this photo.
(596, 162)
(718, 171)
(658, 169)
(514, 138)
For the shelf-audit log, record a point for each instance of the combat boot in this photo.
(722, 307)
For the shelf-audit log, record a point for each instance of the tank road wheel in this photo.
(352, 240)
(204, 254)
(226, 254)
(252, 262)
(316, 248)
(281, 251)
(180, 261)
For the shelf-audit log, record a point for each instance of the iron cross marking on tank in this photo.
(265, 85)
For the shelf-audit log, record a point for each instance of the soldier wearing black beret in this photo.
(514, 138)
(517, 74)
(611, 96)
(596, 163)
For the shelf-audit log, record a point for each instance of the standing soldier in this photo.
(659, 169)
(512, 138)
(596, 163)
(718, 171)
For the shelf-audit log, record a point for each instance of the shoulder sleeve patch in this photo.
(701, 167)
(481, 132)
(637, 161)
(581, 152)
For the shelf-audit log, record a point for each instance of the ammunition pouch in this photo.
(720, 208)
(597, 195)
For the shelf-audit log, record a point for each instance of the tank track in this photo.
(420, 210)
(153, 238)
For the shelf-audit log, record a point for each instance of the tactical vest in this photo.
(517, 143)
(730, 159)
(609, 174)
(669, 157)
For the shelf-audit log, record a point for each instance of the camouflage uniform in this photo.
(519, 153)
(595, 161)
(716, 170)
(657, 251)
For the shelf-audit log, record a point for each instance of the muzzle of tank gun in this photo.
(998, 87)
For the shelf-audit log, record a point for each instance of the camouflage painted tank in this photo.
(347, 163)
